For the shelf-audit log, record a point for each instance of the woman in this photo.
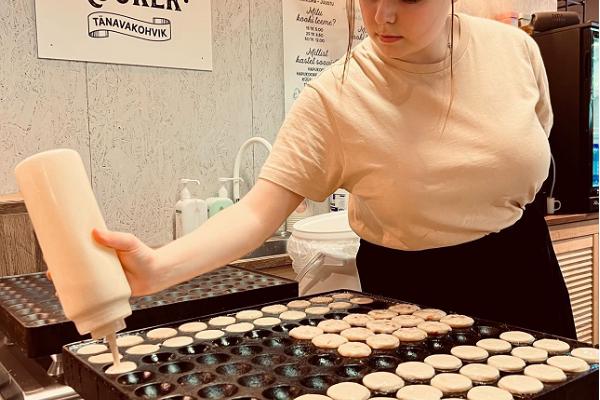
(437, 124)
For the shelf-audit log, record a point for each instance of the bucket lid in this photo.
(331, 226)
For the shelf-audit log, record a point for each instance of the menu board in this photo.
(315, 35)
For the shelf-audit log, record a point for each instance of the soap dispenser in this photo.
(190, 213)
(216, 204)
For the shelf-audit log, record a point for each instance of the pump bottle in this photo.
(190, 212)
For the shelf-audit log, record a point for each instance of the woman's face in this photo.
(410, 30)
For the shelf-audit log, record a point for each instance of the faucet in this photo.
(238, 159)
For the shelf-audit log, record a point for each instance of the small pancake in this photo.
(161, 333)
(249, 315)
(552, 346)
(451, 384)
(340, 305)
(435, 328)
(568, 363)
(488, 393)
(517, 338)
(545, 373)
(410, 334)
(506, 363)
(383, 341)
(91, 349)
(328, 341)
(408, 321)
(348, 391)
(494, 346)
(104, 358)
(469, 353)
(521, 384)
(333, 325)
(192, 327)
(292, 315)
(458, 321)
(430, 314)
(143, 349)
(129, 340)
(382, 314)
(419, 392)
(383, 326)
(209, 334)
(274, 309)
(240, 327)
(361, 300)
(321, 300)
(305, 332)
(404, 308)
(383, 382)
(443, 362)
(357, 334)
(415, 371)
(342, 296)
(480, 373)
(313, 397)
(178, 341)
(299, 304)
(357, 319)
(319, 310)
(267, 321)
(588, 354)
(530, 354)
(354, 350)
(221, 321)
(122, 368)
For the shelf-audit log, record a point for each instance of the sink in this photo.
(275, 246)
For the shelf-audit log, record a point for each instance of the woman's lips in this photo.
(389, 38)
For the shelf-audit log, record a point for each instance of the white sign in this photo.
(163, 33)
(315, 35)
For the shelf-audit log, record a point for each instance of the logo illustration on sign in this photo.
(100, 24)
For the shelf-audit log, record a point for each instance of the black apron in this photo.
(511, 277)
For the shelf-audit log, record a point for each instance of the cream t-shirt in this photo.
(379, 135)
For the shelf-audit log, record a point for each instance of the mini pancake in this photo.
(506, 363)
(588, 354)
(209, 334)
(488, 393)
(248, 315)
(292, 315)
(122, 368)
(451, 384)
(91, 349)
(517, 338)
(421, 392)
(443, 362)
(357, 319)
(321, 300)
(382, 314)
(161, 333)
(383, 341)
(408, 321)
(191, 327)
(221, 321)
(357, 334)
(530, 354)
(354, 350)
(469, 353)
(104, 358)
(480, 373)
(240, 327)
(340, 305)
(383, 326)
(274, 309)
(521, 385)
(129, 340)
(319, 310)
(404, 308)
(333, 325)
(410, 334)
(313, 397)
(305, 332)
(299, 304)
(430, 314)
(569, 364)
(348, 391)
(545, 373)
(458, 321)
(178, 341)
(342, 296)
(143, 349)
(361, 300)
(552, 346)
(328, 341)
(383, 382)
(494, 346)
(267, 321)
(415, 371)
(434, 328)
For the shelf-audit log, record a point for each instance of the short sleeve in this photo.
(543, 108)
(306, 157)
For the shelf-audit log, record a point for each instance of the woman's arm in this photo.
(227, 236)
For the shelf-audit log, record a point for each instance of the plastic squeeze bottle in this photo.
(89, 280)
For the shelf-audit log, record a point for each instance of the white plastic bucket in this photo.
(323, 250)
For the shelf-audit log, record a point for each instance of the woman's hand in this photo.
(137, 259)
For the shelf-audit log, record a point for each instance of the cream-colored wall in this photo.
(139, 129)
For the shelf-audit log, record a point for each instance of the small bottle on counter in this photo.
(89, 280)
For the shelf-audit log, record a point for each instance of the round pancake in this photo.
(506, 363)
(142, 349)
(122, 368)
(517, 338)
(333, 325)
(348, 391)
(430, 314)
(91, 349)
(383, 326)
(178, 341)
(480, 373)
(494, 345)
(451, 384)
(521, 384)
(383, 382)
(342, 296)
(317, 310)
(240, 327)
(419, 392)
(415, 371)
(404, 308)
(552, 346)
(192, 327)
(321, 300)
(354, 350)
(588, 354)
(221, 321)
(129, 340)
(313, 397)
(361, 300)
(305, 332)
(408, 321)
(357, 319)
(530, 354)
(299, 304)
(209, 334)
(274, 309)
(545, 373)
(568, 363)
(292, 315)
(458, 321)
(469, 353)
(104, 358)
(328, 341)
(488, 393)
(161, 333)
(382, 314)
(383, 341)
(443, 362)
(357, 334)
(434, 328)
(248, 315)
(267, 321)
(410, 334)
(340, 305)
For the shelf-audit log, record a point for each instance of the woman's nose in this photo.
(386, 12)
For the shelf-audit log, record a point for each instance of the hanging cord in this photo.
(451, 46)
